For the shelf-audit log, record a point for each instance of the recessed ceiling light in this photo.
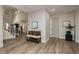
(53, 9)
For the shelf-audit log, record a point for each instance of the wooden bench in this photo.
(34, 36)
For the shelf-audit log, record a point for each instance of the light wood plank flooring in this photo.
(53, 46)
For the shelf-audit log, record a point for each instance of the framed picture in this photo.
(35, 25)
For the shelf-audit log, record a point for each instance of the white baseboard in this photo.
(57, 37)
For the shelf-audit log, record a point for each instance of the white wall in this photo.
(8, 14)
(1, 26)
(55, 26)
(77, 25)
(51, 25)
(47, 25)
(57, 21)
(42, 17)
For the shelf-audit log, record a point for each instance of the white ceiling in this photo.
(58, 8)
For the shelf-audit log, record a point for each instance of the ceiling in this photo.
(58, 8)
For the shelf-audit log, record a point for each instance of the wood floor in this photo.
(53, 46)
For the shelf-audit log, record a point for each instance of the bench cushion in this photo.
(33, 36)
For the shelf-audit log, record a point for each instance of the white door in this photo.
(55, 27)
